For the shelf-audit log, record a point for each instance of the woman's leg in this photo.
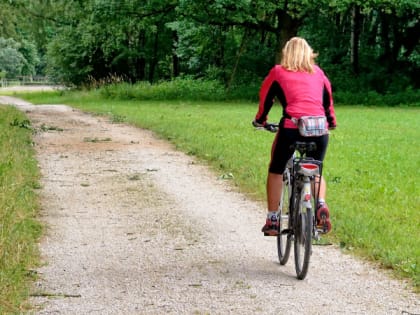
(280, 154)
(320, 186)
(274, 189)
(322, 211)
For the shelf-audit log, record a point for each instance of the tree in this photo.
(15, 23)
(279, 18)
(371, 44)
(8, 20)
(221, 34)
(11, 60)
(31, 58)
(114, 38)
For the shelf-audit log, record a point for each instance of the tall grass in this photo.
(19, 229)
(178, 89)
(371, 166)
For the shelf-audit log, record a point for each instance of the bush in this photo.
(189, 89)
(409, 97)
(178, 89)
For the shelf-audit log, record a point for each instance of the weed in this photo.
(118, 118)
(25, 123)
(96, 140)
(45, 127)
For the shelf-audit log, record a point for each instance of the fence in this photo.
(25, 81)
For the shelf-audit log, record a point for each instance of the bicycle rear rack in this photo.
(308, 169)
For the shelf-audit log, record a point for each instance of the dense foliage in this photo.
(363, 46)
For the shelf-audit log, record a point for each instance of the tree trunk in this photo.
(240, 52)
(220, 53)
(154, 59)
(287, 28)
(141, 61)
(175, 58)
(385, 38)
(354, 38)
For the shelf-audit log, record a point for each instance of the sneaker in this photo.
(323, 218)
(271, 227)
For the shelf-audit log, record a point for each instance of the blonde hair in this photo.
(297, 55)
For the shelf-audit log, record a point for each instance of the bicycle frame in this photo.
(305, 176)
(300, 194)
(302, 175)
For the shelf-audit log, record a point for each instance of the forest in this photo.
(363, 46)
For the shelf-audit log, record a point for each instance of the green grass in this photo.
(371, 166)
(373, 170)
(19, 229)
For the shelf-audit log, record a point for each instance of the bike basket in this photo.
(308, 169)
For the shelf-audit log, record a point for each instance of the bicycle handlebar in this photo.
(267, 126)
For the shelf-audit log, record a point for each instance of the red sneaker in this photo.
(271, 227)
(323, 218)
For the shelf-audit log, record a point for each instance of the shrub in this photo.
(178, 89)
(189, 89)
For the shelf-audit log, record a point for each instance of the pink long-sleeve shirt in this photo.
(300, 93)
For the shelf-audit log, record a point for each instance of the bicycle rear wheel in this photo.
(284, 238)
(303, 239)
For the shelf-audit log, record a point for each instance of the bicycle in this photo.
(296, 212)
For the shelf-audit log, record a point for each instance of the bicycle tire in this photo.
(302, 239)
(284, 238)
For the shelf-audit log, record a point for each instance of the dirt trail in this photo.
(135, 227)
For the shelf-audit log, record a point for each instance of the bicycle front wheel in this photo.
(303, 239)
(284, 238)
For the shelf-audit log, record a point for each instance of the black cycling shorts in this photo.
(281, 151)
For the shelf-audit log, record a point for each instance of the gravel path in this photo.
(135, 227)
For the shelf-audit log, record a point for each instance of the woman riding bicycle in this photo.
(303, 90)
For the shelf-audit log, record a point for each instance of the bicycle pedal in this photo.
(320, 230)
(286, 231)
(324, 228)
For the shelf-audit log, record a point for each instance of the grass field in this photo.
(371, 166)
(19, 229)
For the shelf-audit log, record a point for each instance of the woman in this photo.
(303, 90)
